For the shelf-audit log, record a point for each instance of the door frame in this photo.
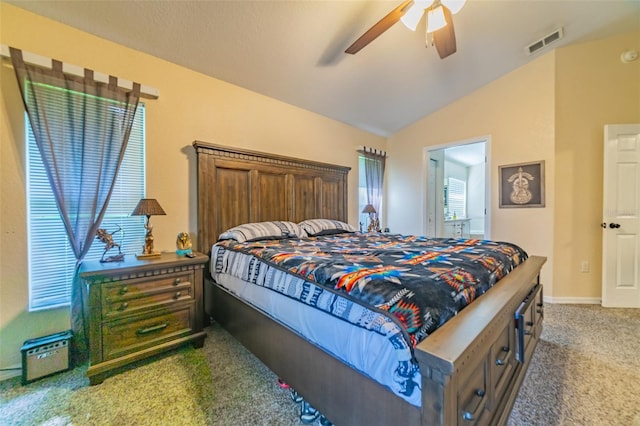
(431, 197)
(487, 176)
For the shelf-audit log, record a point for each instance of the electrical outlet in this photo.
(584, 266)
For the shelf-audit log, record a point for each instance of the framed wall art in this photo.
(521, 185)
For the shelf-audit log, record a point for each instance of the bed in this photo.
(470, 368)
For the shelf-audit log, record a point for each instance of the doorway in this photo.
(458, 189)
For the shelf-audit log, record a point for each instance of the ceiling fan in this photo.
(439, 24)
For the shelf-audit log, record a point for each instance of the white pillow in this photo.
(273, 230)
(317, 227)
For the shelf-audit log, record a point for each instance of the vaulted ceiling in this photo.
(294, 50)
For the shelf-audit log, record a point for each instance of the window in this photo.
(363, 199)
(456, 198)
(363, 218)
(51, 259)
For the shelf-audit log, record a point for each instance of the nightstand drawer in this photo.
(127, 335)
(136, 301)
(145, 285)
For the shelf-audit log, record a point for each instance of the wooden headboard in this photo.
(238, 186)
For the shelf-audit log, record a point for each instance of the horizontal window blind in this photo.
(457, 197)
(51, 259)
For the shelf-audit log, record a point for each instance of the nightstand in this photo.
(139, 308)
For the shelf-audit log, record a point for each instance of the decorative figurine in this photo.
(183, 243)
(374, 225)
(107, 238)
(147, 248)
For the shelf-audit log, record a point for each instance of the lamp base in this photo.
(147, 255)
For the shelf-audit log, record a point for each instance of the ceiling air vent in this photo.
(544, 41)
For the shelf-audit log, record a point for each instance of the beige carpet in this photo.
(586, 371)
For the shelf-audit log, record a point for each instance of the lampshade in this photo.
(435, 19)
(148, 207)
(412, 18)
(369, 209)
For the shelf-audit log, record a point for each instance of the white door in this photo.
(621, 217)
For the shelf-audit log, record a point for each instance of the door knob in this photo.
(614, 225)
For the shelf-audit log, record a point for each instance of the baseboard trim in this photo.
(573, 300)
(9, 374)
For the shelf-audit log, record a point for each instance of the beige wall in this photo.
(191, 107)
(593, 88)
(517, 113)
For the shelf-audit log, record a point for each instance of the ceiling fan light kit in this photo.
(445, 38)
(435, 19)
(439, 22)
(412, 18)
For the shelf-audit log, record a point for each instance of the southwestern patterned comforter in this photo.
(419, 282)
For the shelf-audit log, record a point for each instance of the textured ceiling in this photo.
(294, 50)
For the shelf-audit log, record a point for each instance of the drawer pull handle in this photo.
(177, 295)
(124, 289)
(507, 352)
(123, 306)
(143, 331)
(521, 330)
(529, 331)
(470, 415)
(177, 281)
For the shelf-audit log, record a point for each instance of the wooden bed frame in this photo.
(471, 367)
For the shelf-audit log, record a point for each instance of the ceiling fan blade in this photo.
(445, 37)
(383, 25)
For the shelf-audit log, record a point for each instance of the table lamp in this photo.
(148, 207)
(374, 225)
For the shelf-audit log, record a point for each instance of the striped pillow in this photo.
(317, 227)
(274, 230)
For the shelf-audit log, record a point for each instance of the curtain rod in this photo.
(42, 61)
(368, 150)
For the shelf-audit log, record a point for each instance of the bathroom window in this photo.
(456, 198)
